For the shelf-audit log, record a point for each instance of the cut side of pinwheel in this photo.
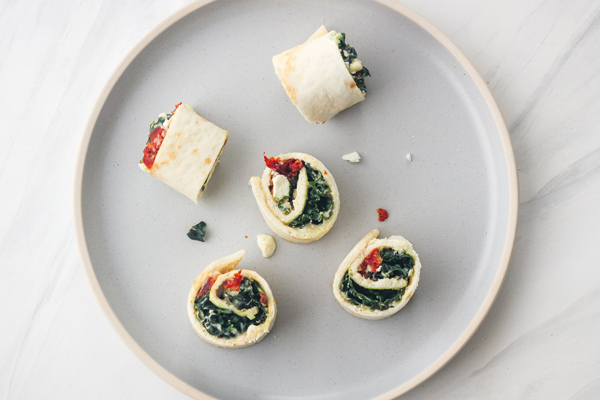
(231, 308)
(297, 196)
(378, 277)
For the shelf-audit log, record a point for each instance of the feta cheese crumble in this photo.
(266, 244)
(352, 157)
(281, 187)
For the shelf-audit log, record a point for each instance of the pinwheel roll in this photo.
(378, 277)
(231, 308)
(297, 197)
(182, 150)
(322, 76)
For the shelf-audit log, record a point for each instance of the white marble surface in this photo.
(541, 60)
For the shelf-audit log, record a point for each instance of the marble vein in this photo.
(546, 81)
(588, 392)
(582, 171)
(583, 309)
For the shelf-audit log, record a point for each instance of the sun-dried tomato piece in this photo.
(206, 288)
(271, 162)
(362, 268)
(288, 168)
(373, 261)
(234, 283)
(263, 299)
(149, 155)
(383, 214)
(176, 107)
(156, 138)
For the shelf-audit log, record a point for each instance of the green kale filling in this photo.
(375, 299)
(224, 323)
(349, 54)
(293, 185)
(198, 231)
(319, 204)
(393, 265)
(282, 206)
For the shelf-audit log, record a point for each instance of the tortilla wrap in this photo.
(189, 153)
(221, 270)
(273, 216)
(316, 79)
(357, 255)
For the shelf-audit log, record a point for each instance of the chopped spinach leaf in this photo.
(219, 322)
(198, 231)
(393, 265)
(375, 299)
(293, 186)
(224, 323)
(359, 78)
(349, 54)
(282, 206)
(319, 204)
(247, 297)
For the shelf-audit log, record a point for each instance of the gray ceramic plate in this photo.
(456, 201)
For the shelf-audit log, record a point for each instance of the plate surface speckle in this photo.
(455, 201)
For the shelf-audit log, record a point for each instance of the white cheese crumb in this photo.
(355, 66)
(266, 244)
(143, 166)
(352, 157)
(281, 187)
(409, 157)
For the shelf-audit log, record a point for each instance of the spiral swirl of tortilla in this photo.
(276, 220)
(350, 264)
(221, 270)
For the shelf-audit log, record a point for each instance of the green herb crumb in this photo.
(198, 231)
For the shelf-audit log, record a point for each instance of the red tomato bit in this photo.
(176, 107)
(263, 299)
(288, 168)
(373, 261)
(383, 214)
(234, 283)
(205, 289)
(155, 140)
